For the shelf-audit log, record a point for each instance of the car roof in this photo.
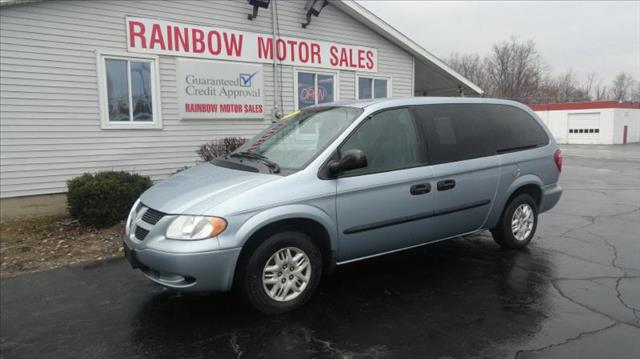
(382, 103)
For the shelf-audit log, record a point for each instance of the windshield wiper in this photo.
(275, 168)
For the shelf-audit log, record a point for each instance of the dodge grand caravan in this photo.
(341, 182)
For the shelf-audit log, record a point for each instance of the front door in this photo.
(386, 205)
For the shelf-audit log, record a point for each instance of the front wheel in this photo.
(518, 223)
(281, 273)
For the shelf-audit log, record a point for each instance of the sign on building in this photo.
(219, 90)
(187, 40)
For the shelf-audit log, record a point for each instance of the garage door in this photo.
(584, 128)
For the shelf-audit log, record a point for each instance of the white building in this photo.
(607, 122)
(138, 86)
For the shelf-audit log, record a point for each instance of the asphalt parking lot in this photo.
(574, 293)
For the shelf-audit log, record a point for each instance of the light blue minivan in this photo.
(341, 182)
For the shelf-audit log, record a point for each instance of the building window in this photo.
(314, 88)
(368, 87)
(128, 92)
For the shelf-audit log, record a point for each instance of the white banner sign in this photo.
(176, 39)
(219, 90)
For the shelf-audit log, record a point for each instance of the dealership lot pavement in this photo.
(575, 293)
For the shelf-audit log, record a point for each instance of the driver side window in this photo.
(388, 139)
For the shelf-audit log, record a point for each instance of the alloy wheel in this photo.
(522, 222)
(286, 274)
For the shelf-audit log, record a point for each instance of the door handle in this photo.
(446, 184)
(420, 189)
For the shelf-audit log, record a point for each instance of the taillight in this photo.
(557, 157)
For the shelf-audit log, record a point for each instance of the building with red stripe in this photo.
(601, 122)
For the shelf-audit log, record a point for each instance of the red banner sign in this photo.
(177, 39)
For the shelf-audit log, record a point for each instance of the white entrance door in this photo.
(584, 128)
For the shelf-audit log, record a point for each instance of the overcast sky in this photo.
(583, 35)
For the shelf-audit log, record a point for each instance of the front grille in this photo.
(144, 224)
(141, 233)
(152, 216)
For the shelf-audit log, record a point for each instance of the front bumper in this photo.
(210, 271)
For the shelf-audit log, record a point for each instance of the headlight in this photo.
(191, 228)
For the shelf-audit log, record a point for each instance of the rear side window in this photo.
(454, 132)
(457, 132)
(514, 129)
(389, 141)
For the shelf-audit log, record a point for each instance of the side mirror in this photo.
(350, 160)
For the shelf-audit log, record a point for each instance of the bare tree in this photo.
(600, 93)
(567, 84)
(590, 82)
(621, 87)
(569, 88)
(470, 66)
(515, 69)
(635, 96)
(564, 87)
(594, 87)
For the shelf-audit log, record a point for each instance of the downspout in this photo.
(275, 112)
(413, 76)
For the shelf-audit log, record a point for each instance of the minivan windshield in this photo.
(297, 138)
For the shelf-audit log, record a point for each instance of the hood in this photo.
(200, 188)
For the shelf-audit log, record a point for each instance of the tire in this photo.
(525, 209)
(280, 250)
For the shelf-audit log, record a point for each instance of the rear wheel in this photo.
(281, 273)
(518, 223)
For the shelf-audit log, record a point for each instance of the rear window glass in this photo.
(514, 128)
(457, 132)
(454, 132)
